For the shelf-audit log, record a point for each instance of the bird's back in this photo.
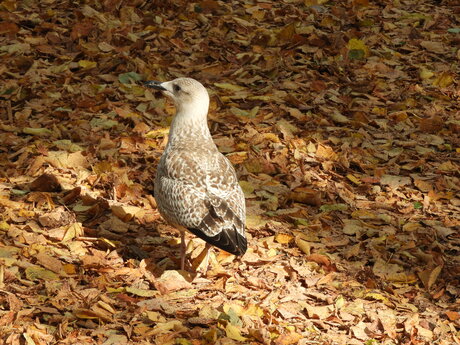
(196, 187)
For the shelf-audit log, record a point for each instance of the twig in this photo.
(2, 276)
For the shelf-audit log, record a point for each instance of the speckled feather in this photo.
(196, 187)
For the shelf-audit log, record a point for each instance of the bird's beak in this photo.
(155, 85)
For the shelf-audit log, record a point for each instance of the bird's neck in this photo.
(190, 124)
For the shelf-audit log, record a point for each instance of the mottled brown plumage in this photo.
(196, 187)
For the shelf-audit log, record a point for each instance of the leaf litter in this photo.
(342, 120)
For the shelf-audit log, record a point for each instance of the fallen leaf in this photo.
(452, 315)
(233, 332)
(45, 183)
(86, 64)
(435, 47)
(429, 276)
(171, 281)
(35, 273)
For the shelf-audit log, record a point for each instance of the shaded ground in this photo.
(342, 119)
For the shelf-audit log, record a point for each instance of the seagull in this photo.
(196, 187)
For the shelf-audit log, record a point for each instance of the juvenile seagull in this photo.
(196, 187)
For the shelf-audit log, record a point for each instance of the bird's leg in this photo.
(182, 249)
(207, 248)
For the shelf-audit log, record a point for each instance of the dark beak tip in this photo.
(154, 85)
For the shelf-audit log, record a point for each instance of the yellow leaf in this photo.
(425, 73)
(26, 213)
(91, 314)
(4, 226)
(86, 64)
(155, 316)
(234, 333)
(35, 272)
(254, 111)
(354, 179)
(378, 297)
(235, 308)
(448, 166)
(255, 221)
(158, 133)
(303, 245)
(253, 310)
(339, 302)
(359, 46)
(283, 238)
(379, 111)
(247, 187)
(211, 336)
(271, 252)
(164, 327)
(41, 132)
(443, 80)
(271, 137)
(74, 230)
(141, 292)
(363, 214)
(69, 268)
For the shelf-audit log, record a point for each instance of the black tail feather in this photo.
(228, 239)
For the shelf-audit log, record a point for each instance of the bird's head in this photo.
(187, 93)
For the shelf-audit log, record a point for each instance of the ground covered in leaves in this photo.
(341, 117)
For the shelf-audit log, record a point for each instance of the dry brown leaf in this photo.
(429, 276)
(171, 281)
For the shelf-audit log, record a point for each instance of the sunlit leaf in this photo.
(35, 273)
(141, 292)
(233, 332)
(37, 131)
(86, 64)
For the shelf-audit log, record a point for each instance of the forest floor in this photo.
(342, 119)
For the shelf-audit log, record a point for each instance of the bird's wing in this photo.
(205, 197)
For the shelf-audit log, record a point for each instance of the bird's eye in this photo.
(176, 88)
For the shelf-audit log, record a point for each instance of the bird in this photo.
(196, 187)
